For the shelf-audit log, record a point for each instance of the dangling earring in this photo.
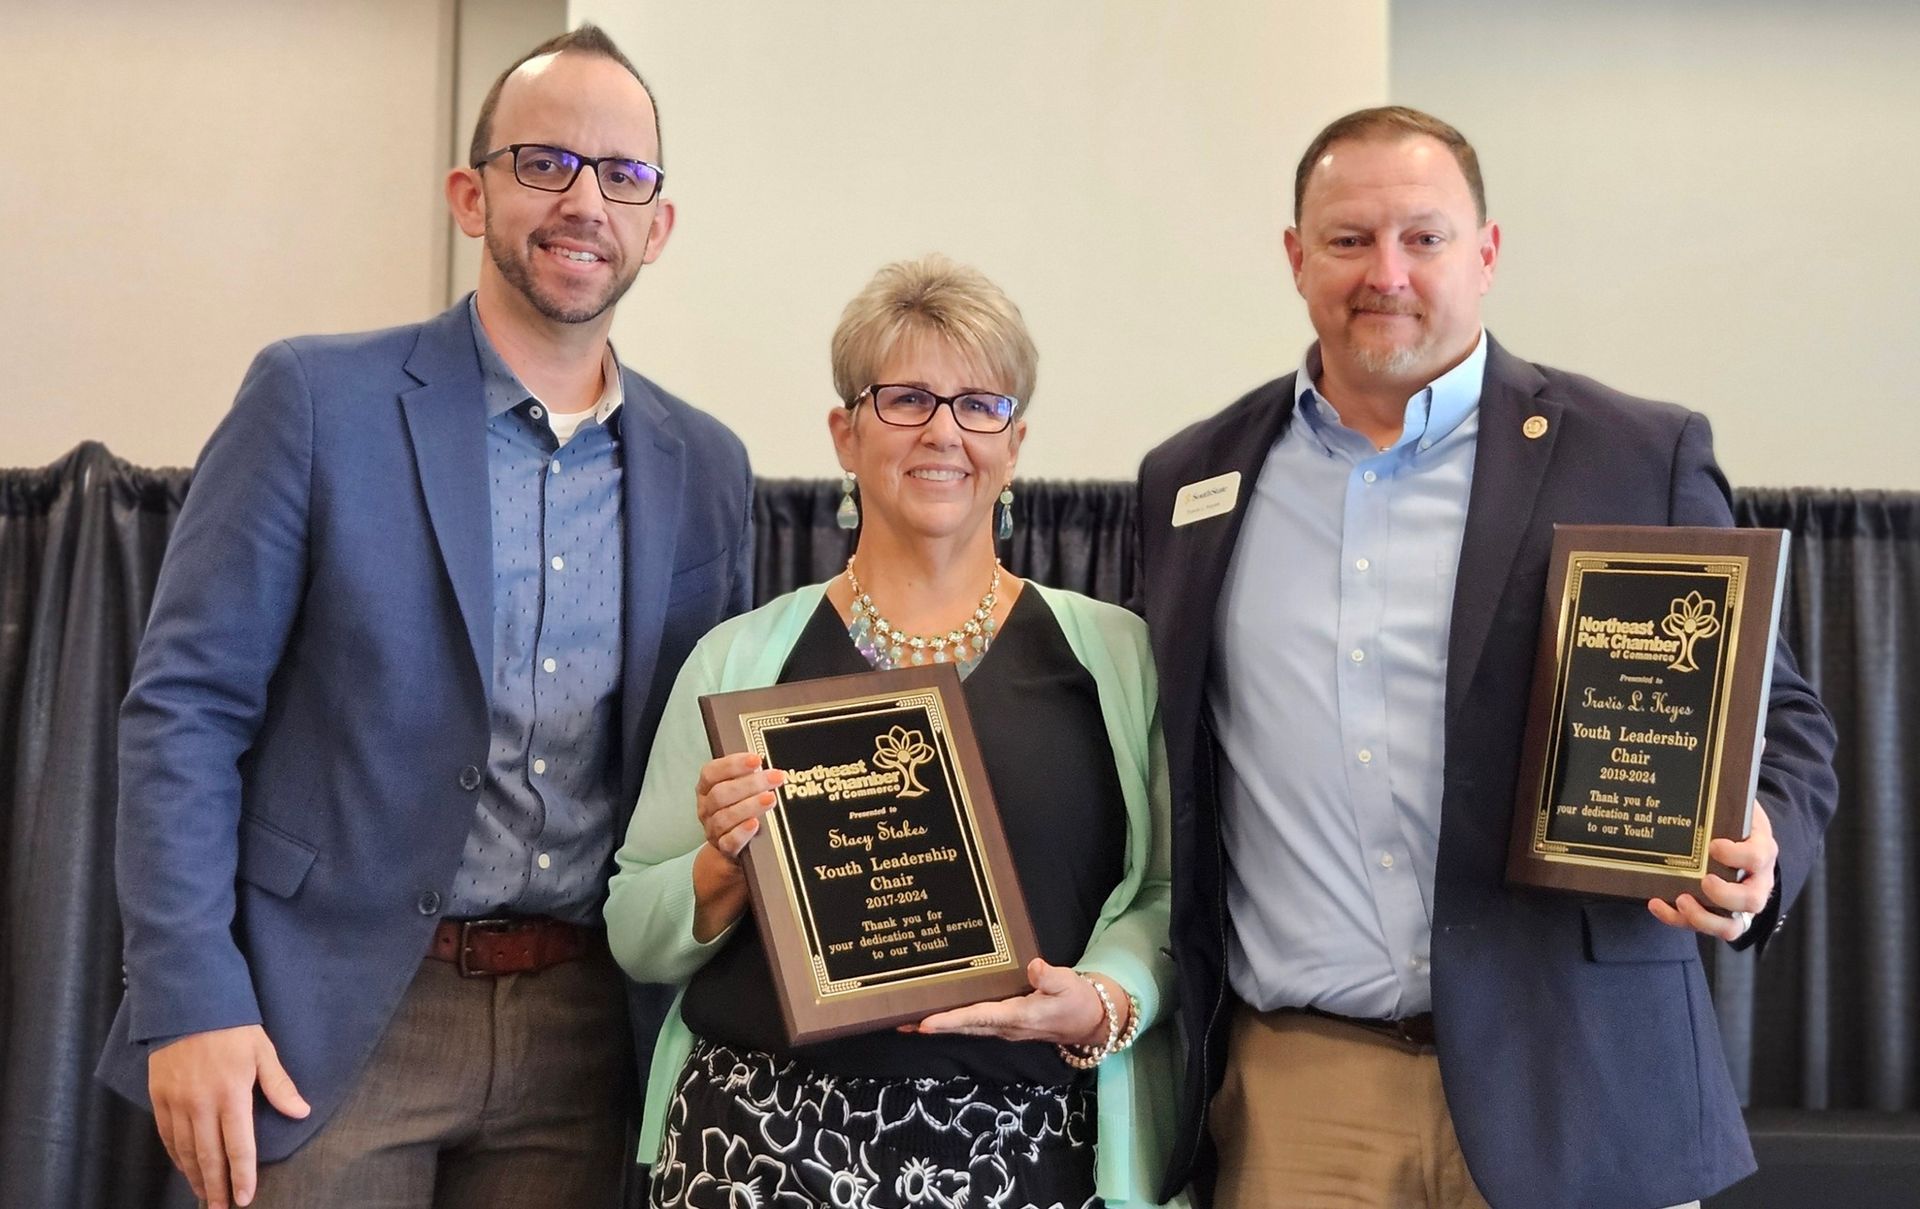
(849, 515)
(1006, 512)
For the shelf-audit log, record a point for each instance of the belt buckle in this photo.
(1414, 1030)
(467, 928)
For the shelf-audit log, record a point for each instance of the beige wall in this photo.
(491, 34)
(1703, 201)
(187, 181)
(1115, 166)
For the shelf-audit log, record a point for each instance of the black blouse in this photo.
(1036, 713)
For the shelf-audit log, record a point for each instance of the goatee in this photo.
(518, 271)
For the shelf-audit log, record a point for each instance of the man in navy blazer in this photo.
(408, 650)
(1343, 576)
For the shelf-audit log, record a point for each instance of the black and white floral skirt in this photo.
(745, 1128)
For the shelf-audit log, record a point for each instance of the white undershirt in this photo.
(612, 393)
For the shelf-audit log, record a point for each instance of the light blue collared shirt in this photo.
(1328, 699)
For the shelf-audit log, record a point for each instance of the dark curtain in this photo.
(1830, 1020)
(80, 546)
(1066, 534)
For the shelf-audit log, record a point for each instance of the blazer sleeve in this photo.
(740, 595)
(1797, 784)
(228, 592)
(649, 910)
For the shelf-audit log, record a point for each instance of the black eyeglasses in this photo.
(554, 169)
(913, 407)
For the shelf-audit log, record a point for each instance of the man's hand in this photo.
(1756, 855)
(202, 1089)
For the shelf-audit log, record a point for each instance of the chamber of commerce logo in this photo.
(903, 751)
(1689, 619)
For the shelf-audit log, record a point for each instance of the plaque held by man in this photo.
(1649, 704)
(881, 882)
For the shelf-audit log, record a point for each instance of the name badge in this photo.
(1208, 497)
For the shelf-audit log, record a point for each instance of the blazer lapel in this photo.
(1242, 444)
(1508, 469)
(653, 483)
(446, 420)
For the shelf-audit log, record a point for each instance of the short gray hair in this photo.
(933, 296)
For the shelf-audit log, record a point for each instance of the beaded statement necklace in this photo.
(886, 645)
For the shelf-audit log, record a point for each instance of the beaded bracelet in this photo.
(1086, 1057)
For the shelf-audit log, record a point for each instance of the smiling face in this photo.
(1392, 259)
(564, 257)
(933, 483)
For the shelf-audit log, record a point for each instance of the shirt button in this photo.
(550, 665)
(1417, 962)
(1386, 860)
(469, 777)
(428, 902)
(539, 766)
(555, 465)
(1426, 444)
(545, 861)
(1366, 756)
(536, 411)
(559, 564)
(1361, 564)
(1369, 475)
(1357, 655)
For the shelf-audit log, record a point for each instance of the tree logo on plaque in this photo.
(1689, 618)
(903, 751)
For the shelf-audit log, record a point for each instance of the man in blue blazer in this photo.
(408, 650)
(1343, 576)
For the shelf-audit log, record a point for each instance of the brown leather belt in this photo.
(1409, 1030)
(479, 948)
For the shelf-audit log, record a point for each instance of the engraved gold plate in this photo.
(1649, 696)
(881, 883)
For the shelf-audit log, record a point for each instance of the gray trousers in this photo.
(501, 1091)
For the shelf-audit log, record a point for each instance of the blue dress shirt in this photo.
(1328, 698)
(543, 827)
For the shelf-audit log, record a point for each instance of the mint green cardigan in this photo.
(650, 902)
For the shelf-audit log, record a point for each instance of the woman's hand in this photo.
(732, 793)
(1061, 1009)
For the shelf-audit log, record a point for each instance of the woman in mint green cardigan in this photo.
(1063, 1095)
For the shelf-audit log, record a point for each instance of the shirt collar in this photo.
(1433, 412)
(505, 391)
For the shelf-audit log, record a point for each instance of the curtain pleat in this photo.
(1831, 1020)
(1834, 1013)
(80, 546)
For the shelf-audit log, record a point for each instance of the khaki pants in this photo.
(499, 1091)
(1316, 1114)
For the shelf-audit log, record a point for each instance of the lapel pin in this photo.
(1535, 427)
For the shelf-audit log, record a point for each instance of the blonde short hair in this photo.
(933, 296)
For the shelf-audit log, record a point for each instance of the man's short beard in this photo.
(1388, 362)
(519, 274)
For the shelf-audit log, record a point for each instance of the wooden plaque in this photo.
(1649, 703)
(881, 880)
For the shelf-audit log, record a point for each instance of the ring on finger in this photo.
(1742, 920)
